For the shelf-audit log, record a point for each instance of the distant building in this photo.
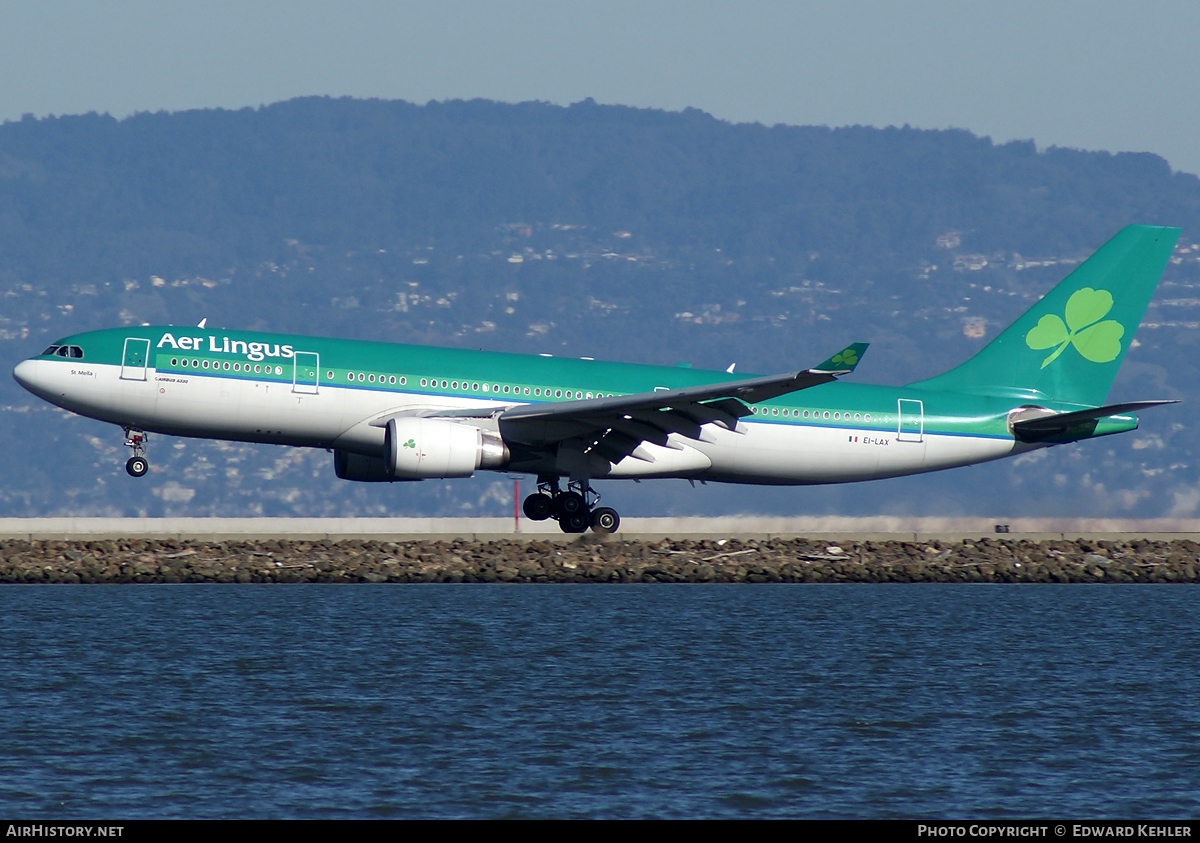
(974, 327)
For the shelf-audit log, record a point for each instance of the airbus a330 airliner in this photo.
(392, 412)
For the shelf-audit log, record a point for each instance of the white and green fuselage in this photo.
(372, 403)
(325, 393)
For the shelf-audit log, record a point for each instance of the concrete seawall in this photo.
(832, 528)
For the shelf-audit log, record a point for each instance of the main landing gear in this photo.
(575, 509)
(137, 465)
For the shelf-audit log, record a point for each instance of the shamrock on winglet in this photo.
(845, 360)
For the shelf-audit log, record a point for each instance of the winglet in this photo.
(843, 362)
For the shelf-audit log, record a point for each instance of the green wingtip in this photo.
(845, 360)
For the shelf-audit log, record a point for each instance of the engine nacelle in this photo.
(350, 466)
(419, 448)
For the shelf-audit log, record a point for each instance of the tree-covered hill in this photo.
(593, 230)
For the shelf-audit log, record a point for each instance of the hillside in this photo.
(599, 231)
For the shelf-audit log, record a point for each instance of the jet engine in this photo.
(348, 465)
(418, 448)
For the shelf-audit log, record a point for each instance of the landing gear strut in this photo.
(137, 465)
(574, 509)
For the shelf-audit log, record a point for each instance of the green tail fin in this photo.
(1069, 345)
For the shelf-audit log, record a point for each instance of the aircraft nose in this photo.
(26, 374)
(23, 373)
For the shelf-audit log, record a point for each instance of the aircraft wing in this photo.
(615, 427)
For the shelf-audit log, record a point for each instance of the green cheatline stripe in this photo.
(945, 413)
(774, 412)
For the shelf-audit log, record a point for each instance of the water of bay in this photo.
(884, 701)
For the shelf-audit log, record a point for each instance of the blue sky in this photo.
(1094, 75)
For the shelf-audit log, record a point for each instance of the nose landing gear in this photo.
(137, 465)
(574, 509)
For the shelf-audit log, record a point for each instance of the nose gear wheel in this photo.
(137, 465)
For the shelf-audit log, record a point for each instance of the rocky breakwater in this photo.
(592, 560)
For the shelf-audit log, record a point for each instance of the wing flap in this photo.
(669, 421)
(616, 425)
(724, 412)
(641, 432)
(615, 446)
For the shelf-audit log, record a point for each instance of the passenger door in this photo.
(912, 421)
(133, 359)
(307, 372)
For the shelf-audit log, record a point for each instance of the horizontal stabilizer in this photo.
(1043, 427)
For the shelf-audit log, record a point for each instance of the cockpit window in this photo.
(65, 351)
